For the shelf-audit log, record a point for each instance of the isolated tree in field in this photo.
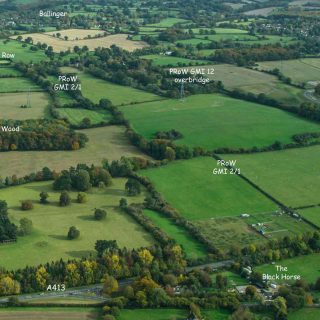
(82, 197)
(73, 233)
(82, 181)
(100, 214)
(65, 199)
(110, 285)
(123, 203)
(25, 227)
(26, 205)
(44, 197)
(133, 187)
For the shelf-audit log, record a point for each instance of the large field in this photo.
(168, 314)
(75, 116)
(256, 82)
(104, 143)
(22, 54)
(40, 313)
(311, 214)
(192, 247)
(51, 224)
(162, 60)
(95, 89)
(76, 34)
(212, 121)
(305, 266)
(291, 176)
(191, 187)
(17, 85)
(105, 42)
(10, 105)
(300, 71)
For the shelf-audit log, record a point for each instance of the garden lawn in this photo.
(213, 121)
(48, 242)
(190, 187)
(191, 246)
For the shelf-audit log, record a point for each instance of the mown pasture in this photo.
(306, 266)
(190, 187)
(9, 72)
(52, 313)
(252, 81)
(104, 143)
(121, 40)
(75, 116)
(291, 176)
(191, 246)
(212, 121)
(299, 70)
(10, 105)
(49, 242)
(95, 89)
(162, 60)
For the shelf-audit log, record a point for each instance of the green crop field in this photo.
(295, 185)
(226, 233)
(52, 313)
(17, 85)
(49, 242)
(96, 89)
(305, 313)
(10, 105)
(311, 214)
(23, 54)
(212, 121)
(104, 143)
(305, 266)
(75, 116)
(168, 314)
(162, 60)
(300, 71)
(167, 23)
(198, 194)
(192, 247)
(252, 81)
(7, 71)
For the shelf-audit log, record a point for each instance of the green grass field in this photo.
(8, 71)
(104, 143)
(291, 176)
(234, 279)
(213, 120)
(193, 41)
(169, 314)
(167, 22)
(52, 313)
(22, 54)
(256, 82)
(10, 104)
(305, 313)
(311, 214)
(305, 266)
(75, 116)
(192, 247)
(190, 187)
(228, 36)
(17, 85)
(51, 223)
(162, 60)
(96, 89)
(226, 233)
(300, 71)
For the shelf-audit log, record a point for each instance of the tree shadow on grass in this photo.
(86, 217)
(81, 253)
(58, 237)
